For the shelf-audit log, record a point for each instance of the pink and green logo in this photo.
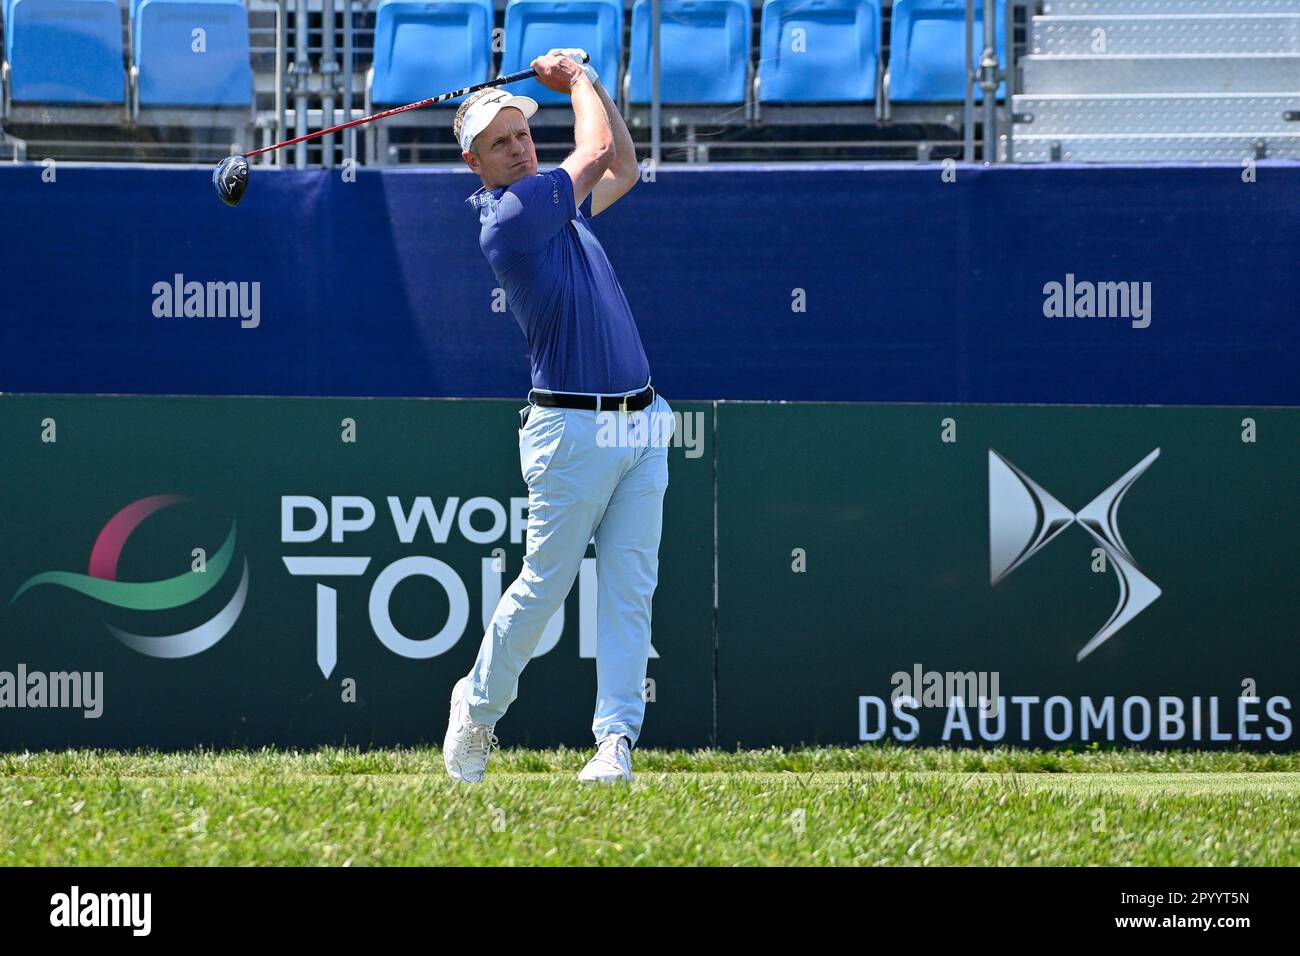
(101, 583)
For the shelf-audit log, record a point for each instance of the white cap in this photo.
(484, 110)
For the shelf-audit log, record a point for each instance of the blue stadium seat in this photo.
(535, 26)
(703, 51)
(135, 5)
(172, 73)
(819, 51)
(927, 50)
(65, 51)
(427, 47)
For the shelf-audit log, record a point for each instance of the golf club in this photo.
(231, 175)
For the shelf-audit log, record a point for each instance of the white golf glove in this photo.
(577, 54)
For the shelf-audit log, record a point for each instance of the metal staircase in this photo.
(1150, 80)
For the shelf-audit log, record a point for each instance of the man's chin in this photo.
(515, 174)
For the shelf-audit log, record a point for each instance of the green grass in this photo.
(858, 806)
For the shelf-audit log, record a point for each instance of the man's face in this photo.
(505, 150)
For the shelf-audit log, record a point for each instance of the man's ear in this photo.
(471, 161)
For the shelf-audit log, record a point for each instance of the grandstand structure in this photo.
(1141, 80)
(1090, 80)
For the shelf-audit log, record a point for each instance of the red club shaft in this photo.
(499, 81)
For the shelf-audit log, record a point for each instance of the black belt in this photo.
(594, 403)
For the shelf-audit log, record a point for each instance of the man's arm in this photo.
(533, 209)
(623, 172)
(594, 143)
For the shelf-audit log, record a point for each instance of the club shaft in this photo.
(499, 81)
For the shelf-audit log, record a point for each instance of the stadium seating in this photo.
(703, 52)
(167, 69)
(532, 27)
(819, 63)
(819, 51)
(64, 52)
(927, 56)
(424, 47)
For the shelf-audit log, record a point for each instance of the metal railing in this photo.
(988, 74)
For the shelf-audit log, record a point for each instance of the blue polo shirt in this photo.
(560, 287)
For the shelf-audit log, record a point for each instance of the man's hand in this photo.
(558, 73)
(580, 55)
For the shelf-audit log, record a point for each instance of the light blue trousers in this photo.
(600, 474)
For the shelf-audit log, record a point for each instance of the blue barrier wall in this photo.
(915, 289)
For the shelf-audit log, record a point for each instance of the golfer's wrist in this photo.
(587, 72)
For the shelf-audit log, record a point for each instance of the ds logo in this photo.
(1023, 517)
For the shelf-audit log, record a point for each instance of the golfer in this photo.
(593, 442)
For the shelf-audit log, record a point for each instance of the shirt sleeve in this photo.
(586, 205)
(535, 209)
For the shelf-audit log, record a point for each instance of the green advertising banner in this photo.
(1003, 575)
(297, 572)
(243, 572)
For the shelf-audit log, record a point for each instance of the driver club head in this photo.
(231, 179)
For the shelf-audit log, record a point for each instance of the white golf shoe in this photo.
(612, 763)
(467, 746)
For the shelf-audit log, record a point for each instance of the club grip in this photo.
(523, 74)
